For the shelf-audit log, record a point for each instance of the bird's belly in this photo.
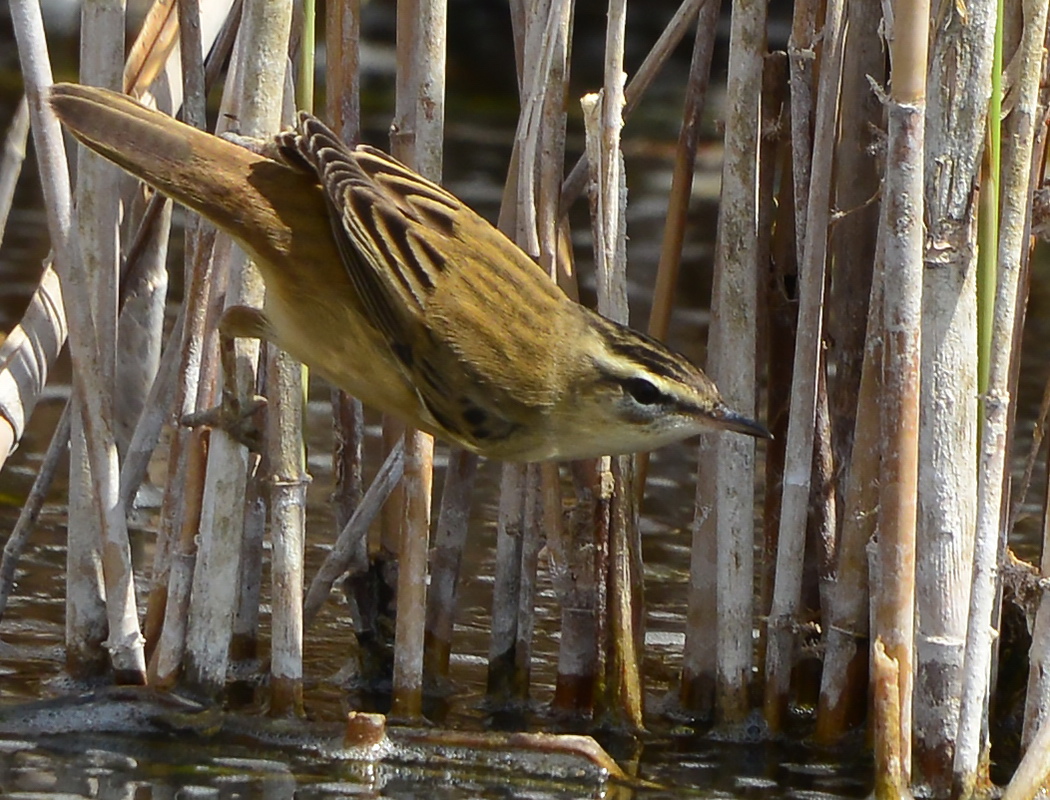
(346, 352)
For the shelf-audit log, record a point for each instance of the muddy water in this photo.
(174, 764)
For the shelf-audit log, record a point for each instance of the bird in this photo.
(396, 291)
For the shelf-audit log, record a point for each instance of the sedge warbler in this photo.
(394, 290)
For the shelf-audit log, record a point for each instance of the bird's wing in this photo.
(403, 241)
(389, 265)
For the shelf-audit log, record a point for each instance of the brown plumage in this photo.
(396, 291)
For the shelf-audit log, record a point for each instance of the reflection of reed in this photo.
(893, 444)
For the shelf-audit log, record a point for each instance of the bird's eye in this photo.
(642, 391)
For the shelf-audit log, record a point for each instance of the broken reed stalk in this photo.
(624, 692)
(956, 126)
(287, 488)
(640, 81)
(394, 540)
(286, 381)
(409, 636)
(1015, 199)
(697, 689)
(798, 465)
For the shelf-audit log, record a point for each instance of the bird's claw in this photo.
(234, 415)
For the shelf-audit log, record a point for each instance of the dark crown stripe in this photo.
(646, 352)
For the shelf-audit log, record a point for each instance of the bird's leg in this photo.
(236, 413)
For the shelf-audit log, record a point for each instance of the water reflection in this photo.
(108, 765)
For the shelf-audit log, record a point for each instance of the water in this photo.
(154, 761)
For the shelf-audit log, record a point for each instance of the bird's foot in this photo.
(240, 414)
(239, 417)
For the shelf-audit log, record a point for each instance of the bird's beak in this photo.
(726, 419)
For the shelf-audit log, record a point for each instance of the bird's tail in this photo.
(238, 190)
